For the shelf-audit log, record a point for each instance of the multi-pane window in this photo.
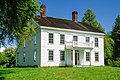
(34, 56)
(17, 57)
(75, 38)
(71, 54)
(62, 55)
(50, 55)
(96, 56)
(51, 38)
(24, 57)
(87, 39)
(96, 42)
(62, 39)
(24, 43)
(34, 39)
(87, 56)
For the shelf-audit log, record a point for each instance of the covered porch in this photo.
(78, 54)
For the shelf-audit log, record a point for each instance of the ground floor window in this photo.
(50, 55)
(34, 57)
(96, 56)
(71, 54)
(62, 55)
(17, 57)
(87, 56)
(24, 57)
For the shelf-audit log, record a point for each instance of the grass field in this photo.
(60, 73)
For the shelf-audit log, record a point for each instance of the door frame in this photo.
(76, 57)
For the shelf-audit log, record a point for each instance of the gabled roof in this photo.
(65, 24)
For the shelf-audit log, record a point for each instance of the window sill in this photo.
(87, 61)
(62, 61)
(51, 61)
(62, 44)
(50, 43)
(96, 61)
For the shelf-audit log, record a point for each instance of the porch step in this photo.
(82, 66)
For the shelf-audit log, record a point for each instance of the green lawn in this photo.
(60, 73)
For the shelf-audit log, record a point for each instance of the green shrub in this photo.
(3, 60)
(7, 58)
(109, 62)
(116, 63)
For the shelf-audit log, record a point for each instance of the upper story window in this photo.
(50, 55)
(87, 56)
(75, 38)
(34, 39)
(62, 55)
(24, 43)
(35, 55)
(96, 42)
(96, 56)
(62, 39)
(51, 38)
(87, 39)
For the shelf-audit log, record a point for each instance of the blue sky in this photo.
(106, 11)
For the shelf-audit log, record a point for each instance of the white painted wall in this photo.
(45, 46)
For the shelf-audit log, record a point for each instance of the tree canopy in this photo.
(108, 46)
(15, 16)
(116, 37)
(90, 18)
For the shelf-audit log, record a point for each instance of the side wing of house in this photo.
(29, 53)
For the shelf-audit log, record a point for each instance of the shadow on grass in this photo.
(3, 72)
(2, 78)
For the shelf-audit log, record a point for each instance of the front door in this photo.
(76, 57)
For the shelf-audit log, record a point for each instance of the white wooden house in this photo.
(61, 42)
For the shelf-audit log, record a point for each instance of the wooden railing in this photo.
(79, 44)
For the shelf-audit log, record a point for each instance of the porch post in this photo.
(73, 57)
(83, 57)
(66, 52)
(90, 58)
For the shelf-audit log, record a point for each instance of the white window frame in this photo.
(87, 56)
(62, 55)
(24, 43)
(75, 38)
(87, 39)
(17, 57)
(96, 42)
(34, 39)
(50, 55)
(62, 39)
(51, 39)
(24, 57)
(35, 56)
(97, 57)
(71, 55)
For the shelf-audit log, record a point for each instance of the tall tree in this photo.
(116, 37)
(15, 16)
(90, 18)
(108, 52)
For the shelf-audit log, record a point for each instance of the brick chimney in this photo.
(43, 8)
(75, 16)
